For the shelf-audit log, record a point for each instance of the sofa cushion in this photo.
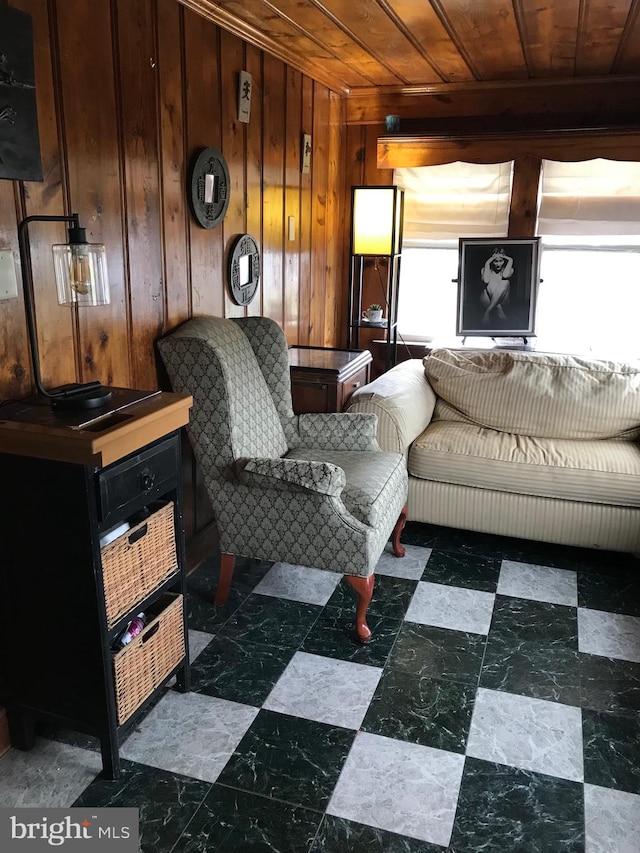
(595, 471)
(368, 486)
(536, 394)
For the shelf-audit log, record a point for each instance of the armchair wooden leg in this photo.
(364, 590)
(398, 549)
(227, 562)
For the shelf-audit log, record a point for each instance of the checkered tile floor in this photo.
(496, 709)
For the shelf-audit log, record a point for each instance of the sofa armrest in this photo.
(404, 402)
(320, 477)
(338, 431)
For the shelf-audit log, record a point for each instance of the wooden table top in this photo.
(95, 437)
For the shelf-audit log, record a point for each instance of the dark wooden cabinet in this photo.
(323, 379)
(67, 591)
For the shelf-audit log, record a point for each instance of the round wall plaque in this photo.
(209, 187)
(244, 269)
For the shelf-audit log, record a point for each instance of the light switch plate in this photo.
(8, 281)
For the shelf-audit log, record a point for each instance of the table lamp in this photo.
(81, 279)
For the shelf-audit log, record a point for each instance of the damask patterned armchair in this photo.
(312, 490)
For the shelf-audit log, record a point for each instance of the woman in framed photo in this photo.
(496, 273)
(497, 284)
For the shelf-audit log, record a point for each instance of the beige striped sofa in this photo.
(525, 444)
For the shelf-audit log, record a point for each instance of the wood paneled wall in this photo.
(127, 91)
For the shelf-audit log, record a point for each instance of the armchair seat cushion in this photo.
(373, 479)
(596, 471)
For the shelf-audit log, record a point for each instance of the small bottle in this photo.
(132, 630)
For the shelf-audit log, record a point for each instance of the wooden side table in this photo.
(323, 379)
(65, 594)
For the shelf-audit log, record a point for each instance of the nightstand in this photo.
(323, 379)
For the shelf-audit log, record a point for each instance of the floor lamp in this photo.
(81, 279)
(376, 232)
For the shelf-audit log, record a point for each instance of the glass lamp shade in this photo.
(376, 220)
(81, 273)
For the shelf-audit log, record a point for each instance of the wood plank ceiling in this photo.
(355, 46)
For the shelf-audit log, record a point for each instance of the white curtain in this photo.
(589, 198)
(455, 200)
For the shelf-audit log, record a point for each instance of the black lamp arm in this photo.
(27, 286)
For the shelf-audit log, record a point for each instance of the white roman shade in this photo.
(455, 200)
(589, 198)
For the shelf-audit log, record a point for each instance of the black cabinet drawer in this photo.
(131, 483)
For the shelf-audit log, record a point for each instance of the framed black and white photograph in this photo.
(497, 286)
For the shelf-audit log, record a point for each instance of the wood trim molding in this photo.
(525, 197)
(261, 40)
(488, 85)
(495, 147)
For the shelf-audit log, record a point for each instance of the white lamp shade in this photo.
(376, 220)
(81, 273)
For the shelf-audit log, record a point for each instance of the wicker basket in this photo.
(136, 563)
(147, 660)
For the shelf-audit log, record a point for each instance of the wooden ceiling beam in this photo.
(498, 98)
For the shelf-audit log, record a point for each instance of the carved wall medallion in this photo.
(209, 187)
(244, 269)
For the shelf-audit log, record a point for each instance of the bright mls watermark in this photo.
(83, 829)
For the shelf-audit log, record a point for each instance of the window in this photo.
(589, 298)
(428, 292)
(589, 295)
(589, 223)
(443, 203)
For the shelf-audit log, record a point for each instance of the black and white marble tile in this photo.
(532, 650)
(423, 710)
(540, 583)
(519, 620)
(410, 566)
(198, 641)
(189, 733)
(503, 809)
(496, 709)
(470, 571)
(272, 621)
(231, 821)
(298, 583)
(166, 801)
(203, 615)
(607, 684)
(531, 734)
(427, 651)
(386, 783)
(423, 535)
(337, 835)
(334, 631)
(611, 635)
(51, 775)
(613, 594)
(238, 670)
(451, 607)
(391, 596)
(611, 820)
(469, 542)
(289, 759)
(543, 672)
(612, 750)
(327, 690)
